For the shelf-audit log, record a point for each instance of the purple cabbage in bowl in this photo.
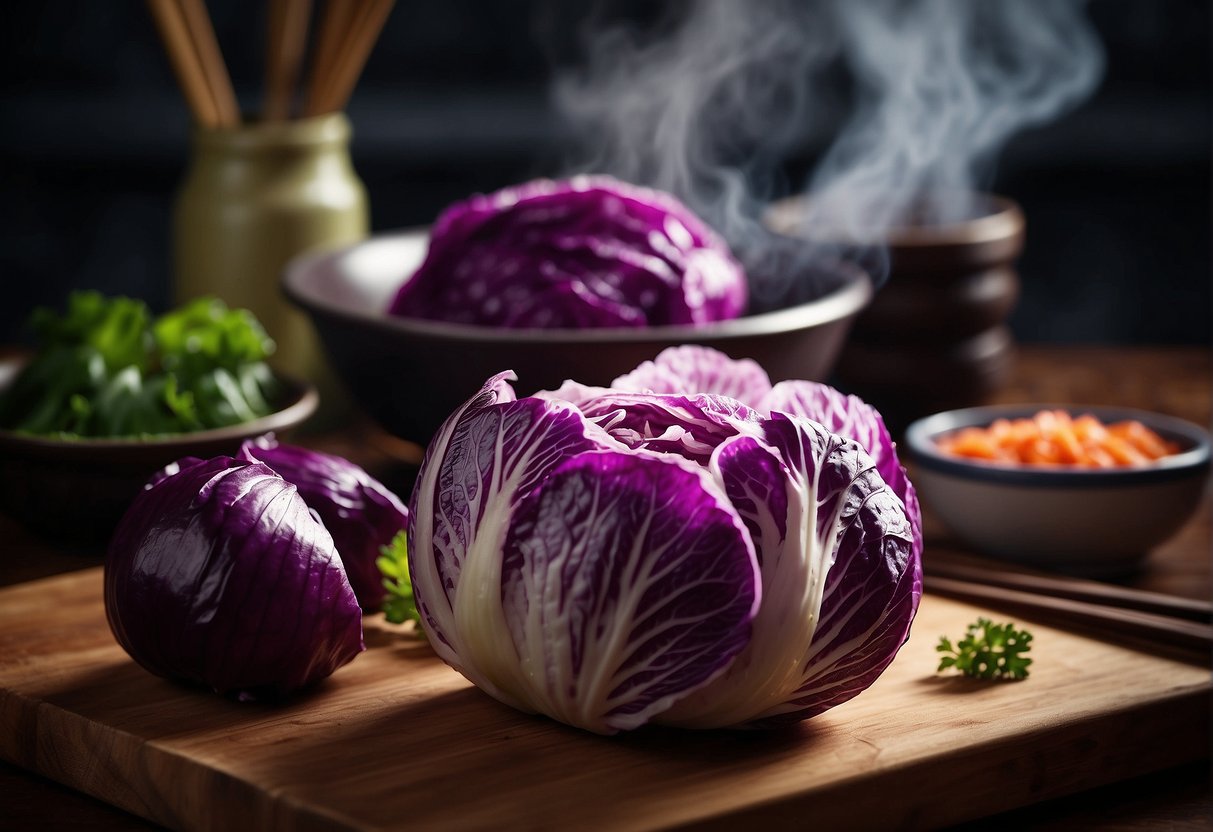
(588, 252)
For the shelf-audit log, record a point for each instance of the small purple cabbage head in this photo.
(590, 251)
(360, 512)
(219, 575)
(691, 546)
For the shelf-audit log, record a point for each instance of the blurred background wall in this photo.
(455, 99)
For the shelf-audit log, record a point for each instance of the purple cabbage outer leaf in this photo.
(574, 392)
(706, 370)
(696, 369)
(855, 419)
(837, 559)
(686, 426)
(586, 252)
(626, 582)
(783, 472)
(171, 469)
(220, 575)
(565, 573)
(359, 512)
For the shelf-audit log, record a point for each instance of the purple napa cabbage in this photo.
(612, 557)
(585, 252)
(706, 370)
(360, 512)
(219, 575)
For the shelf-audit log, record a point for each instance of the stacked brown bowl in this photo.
(935, 336)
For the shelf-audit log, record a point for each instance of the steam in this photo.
(710, 104)
(943, 85)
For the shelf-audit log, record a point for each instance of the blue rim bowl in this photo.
(1070, 519)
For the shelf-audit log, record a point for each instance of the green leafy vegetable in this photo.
(115, 328)
(988, 651)
(399, 605)
(106, 368)
(205, 335)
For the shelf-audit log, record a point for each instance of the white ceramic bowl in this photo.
(409, 374)
(1078, 520)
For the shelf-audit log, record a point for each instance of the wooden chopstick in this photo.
(1074, 588)
(345, 39)
(288, 21)
(206, 46)
(330, 33)
(169, 18)
(1099, 618)
(335, 83)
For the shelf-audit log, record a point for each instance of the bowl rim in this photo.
(840, 304)
(302, 400)
(1004, 220)
(921, 434)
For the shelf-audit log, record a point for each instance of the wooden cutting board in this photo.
(398, 740)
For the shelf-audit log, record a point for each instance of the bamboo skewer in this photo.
(288, 22)
(337, 83)
(170, 23)
(202, 34)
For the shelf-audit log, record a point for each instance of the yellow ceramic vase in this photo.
(253, 198)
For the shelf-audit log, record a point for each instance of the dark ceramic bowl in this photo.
(935, 336)
(1098, 522)
(409, 374)
(76, 491)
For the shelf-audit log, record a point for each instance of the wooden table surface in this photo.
(1170, 380)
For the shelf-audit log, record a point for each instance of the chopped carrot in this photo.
(1040, 451)
(1087, 427)
(1123, 452)
(999, 429)
(1054, 437)
(1140, 437)
(974, 444)
(1069, 449)
(1099, 458)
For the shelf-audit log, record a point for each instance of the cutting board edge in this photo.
(278, 804)
(117, 783)
(1180, 709)
(281, 809)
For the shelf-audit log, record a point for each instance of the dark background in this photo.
(454, 100)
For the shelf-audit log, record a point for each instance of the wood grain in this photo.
(1172, 380)
(396, 739)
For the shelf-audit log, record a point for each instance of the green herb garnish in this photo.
(399, 605)
(988, 651)
(106, 368)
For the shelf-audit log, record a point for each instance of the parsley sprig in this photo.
(398, 606)
(988, 651)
